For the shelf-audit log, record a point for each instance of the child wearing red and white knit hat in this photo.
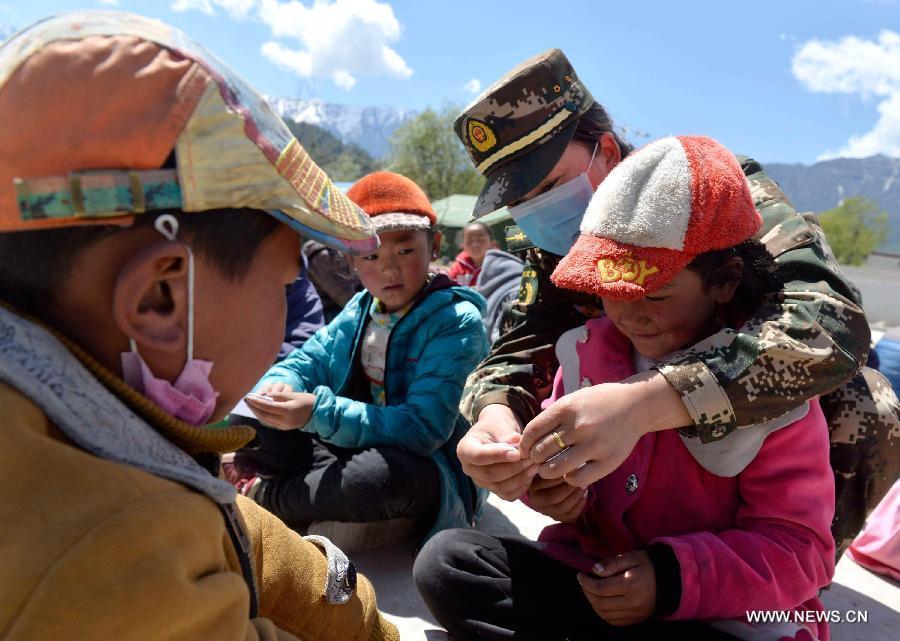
(670, 201)
(686, 530)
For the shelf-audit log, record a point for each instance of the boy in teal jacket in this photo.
(365, 414)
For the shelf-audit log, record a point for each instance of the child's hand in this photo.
(273, 388)
(557, 499)
(624, 592)
(285, 411)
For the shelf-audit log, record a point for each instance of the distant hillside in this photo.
(815, 187)
(342, 162)
(823, 185)
(368, 127)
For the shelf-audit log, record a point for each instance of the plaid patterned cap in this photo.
(94, 103)
(518, 128)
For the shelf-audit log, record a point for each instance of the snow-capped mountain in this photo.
(368, 127)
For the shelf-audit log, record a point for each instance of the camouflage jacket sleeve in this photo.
(803, 341)
(519, 370)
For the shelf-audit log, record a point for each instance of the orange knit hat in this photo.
(393, 202)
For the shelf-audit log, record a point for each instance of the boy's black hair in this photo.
(485, 226)
(34, 264)
(758, 276)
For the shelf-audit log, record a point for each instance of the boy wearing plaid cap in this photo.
(680, 531)
(369, 404)
(142, 185)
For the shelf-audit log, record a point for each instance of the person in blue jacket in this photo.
(363, 419)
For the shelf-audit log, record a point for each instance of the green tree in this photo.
(855, 228)
(426, 150)
(342, 163)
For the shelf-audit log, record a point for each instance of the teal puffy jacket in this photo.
(430, 353)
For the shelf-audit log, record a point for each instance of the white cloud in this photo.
(340, 40)
(239, 9)
(111, 3)
(866, 68)
(337, 39)
(204, 6)
(473, 86)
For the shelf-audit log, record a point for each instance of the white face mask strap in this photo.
(593, 155)
(167, 225)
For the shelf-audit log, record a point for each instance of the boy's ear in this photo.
(436, 244)
(150, 297)
(722, 294)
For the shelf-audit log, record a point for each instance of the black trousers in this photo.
(308, 480)
(480, 586)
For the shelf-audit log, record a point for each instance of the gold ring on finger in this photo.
(559, 440)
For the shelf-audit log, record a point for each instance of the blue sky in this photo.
(786, 81)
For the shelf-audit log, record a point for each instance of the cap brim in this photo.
(360, 247)
(606, 268)
(515, 178)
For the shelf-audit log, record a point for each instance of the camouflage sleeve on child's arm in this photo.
(805, 341)
(519, 370)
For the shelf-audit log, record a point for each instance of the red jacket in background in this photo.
(464, 271)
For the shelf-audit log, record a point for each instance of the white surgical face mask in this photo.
(552, 220)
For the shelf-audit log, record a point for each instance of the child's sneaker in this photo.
(250, 487)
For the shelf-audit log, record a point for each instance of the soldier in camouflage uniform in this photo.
(809, 339)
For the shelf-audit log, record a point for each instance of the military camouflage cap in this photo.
(516, 131)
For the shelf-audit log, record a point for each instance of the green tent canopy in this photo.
(456, 211)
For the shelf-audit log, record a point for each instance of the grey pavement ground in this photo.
(879, 282)
(390, 570)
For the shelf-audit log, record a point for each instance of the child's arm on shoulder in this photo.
(426, 420)
(780, 552)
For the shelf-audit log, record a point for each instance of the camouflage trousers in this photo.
(864, 424)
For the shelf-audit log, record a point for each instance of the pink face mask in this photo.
(191, 398)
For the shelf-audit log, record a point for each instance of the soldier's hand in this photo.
(587, 434)
(489, 453)
(557, 499)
